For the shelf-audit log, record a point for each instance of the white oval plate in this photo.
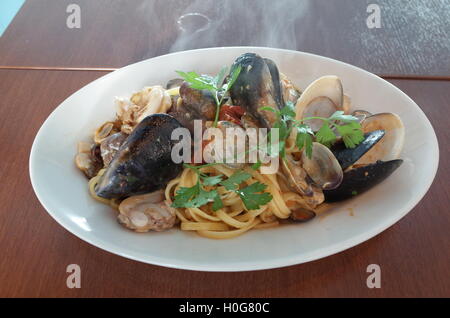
(62, 189)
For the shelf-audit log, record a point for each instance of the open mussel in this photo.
(348, 156)
(373, 160)
(361, 179)
(143, 162)
(391, 145)
(258, 85)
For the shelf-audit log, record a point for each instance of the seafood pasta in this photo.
(242, 149)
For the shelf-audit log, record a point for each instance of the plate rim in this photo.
(290, 260)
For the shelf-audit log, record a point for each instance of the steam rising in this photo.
(240, 22)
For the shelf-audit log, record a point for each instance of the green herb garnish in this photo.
(347, 126)
(196, 196)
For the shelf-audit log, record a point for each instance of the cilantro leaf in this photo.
(325, 135)
(251, 197)
(233, 182)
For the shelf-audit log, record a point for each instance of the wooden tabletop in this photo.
(413, 43)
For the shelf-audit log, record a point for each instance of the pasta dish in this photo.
(242, 149)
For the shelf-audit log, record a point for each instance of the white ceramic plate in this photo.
(62, 189)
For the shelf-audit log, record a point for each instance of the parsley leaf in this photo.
(304, 139)
(218, 79)
(233, 182)
(325, 135)
(288, 110)
(251, 196)
(218, 203)
(211, 181)
(256, 165)
(233, 77)
(184, 195)
(351, 133)
(197, 81)
(203, 198)
(339, 115)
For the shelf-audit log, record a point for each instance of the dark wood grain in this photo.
(413, 253)
(413, 38)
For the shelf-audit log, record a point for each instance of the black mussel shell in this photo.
(257, 85)
(143, 162)
(348, 156)
(359, 180)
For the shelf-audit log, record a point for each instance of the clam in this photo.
(289, 91)
(388, 148)
(361, 114)
(346, 104)
(87, 159)
(142, 213)
(143, 162)
(110, 145)
(322, 98)
(104, 131)
(258, 85)
(155, 101)
(299, 181)
(148, 101)
(323, 167)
